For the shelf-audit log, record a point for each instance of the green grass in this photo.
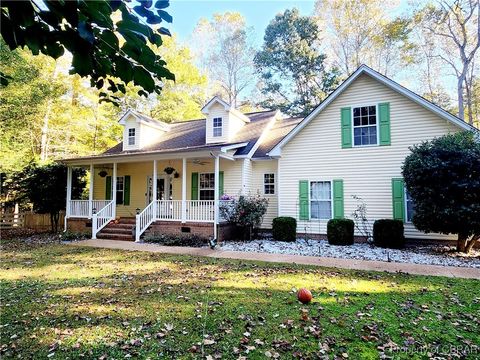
(66, 302)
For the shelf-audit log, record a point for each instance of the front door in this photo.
(164, 189)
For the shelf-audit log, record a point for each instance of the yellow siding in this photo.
(139, 173)
(259, 168)
(316, 154)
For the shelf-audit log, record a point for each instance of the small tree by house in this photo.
(247, 212)
(442, 177)
(46, 188)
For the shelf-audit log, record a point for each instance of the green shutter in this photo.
(304, 200)
(346, 115)
(108, 188)
(195, 186)
(221, 182)
(126, 190)
(384, 123)
(398, 199)
(338, 208)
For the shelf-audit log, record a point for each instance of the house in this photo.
(170, 177)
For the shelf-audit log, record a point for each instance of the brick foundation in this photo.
(79, 225)
(225, 231)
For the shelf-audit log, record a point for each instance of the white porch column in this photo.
(69, 194)
(217, 197)
(90, 192)
(114, 190)
(154, 188)
(184, 190)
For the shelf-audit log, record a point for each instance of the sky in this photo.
(187, 13)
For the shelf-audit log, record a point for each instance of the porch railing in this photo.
(169, 210)
(81, 208)
(144, 219)
(201, 210)
(102, 218)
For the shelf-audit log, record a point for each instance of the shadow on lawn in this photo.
(125, 313)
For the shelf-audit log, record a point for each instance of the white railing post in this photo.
(114, 190)
(69, 195)
(137, 228)
(184, 190)
(90, 192)
(94, 224)
(216, 197)
(154, 189)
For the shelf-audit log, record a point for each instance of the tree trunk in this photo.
(461, 111)
(464, 244)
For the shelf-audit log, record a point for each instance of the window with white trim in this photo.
(269, 184)
(131, 136)
(217, 127)
(365, 125)
(207, 186)
(320, 200)
(120, 189)
(409, 207)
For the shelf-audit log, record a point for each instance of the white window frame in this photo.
(131, 137)
(310, 199)
(208, 189)
(376, 124)
(217, 127)
(406, 206)
(122, 191)
(274, 183)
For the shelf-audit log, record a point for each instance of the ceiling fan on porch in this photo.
(199, 162)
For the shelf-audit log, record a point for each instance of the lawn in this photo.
(61, 301)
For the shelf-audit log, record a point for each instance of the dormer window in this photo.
(131, 136)
(217, 127)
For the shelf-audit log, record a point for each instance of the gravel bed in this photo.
(428, 255)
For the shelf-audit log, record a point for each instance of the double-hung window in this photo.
(217, 127)
(409, 207)
(131, 136)
(120, 189)
(269, 184)
(321, 200)
(207, 186)
(365, 125)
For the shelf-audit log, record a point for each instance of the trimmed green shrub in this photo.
(388, 233)
(284, 228)
(175, 240)
(340, 231)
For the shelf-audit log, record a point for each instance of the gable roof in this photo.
(190, 135)
(142, 118)
(364, 69)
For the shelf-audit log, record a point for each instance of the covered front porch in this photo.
(185, 190)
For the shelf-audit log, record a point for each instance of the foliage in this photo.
(340, 231)
(284, 228)
(175, 240)
(453, 29)
(362, 224)
(225, 46)
(154, 305)
(364, 32)
(74, 236)
(45, 187)
(294, 77)
(183, 98)
(247, 212)
(388, 233)
(111, 53)
(442, 177)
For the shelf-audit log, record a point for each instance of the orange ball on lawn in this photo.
(304, 296)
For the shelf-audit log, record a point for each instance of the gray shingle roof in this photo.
(190, 135)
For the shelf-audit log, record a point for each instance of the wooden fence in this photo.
(28, 220)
